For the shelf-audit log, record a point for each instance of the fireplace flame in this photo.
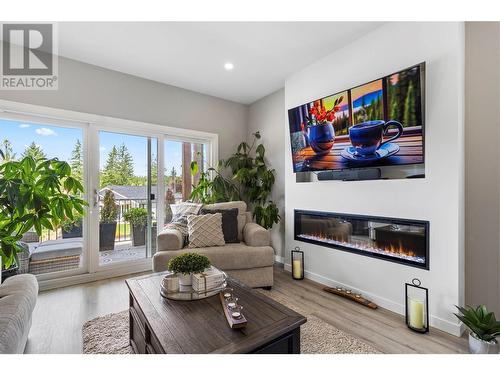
(397, 251)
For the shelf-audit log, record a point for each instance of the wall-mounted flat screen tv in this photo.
(379, 123)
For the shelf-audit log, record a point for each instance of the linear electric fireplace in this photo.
(397, 240)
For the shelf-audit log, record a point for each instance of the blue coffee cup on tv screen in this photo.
(367, 137)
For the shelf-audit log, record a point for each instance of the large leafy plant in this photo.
(256, 180)
(212, 186)
(252, 180)
(35, 193)
(480, 321)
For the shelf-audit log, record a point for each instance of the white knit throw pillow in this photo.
(205, 230)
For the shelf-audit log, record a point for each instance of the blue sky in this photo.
(59, 142)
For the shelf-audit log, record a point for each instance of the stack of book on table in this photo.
(211, 278)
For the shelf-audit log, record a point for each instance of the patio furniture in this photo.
(56, 255)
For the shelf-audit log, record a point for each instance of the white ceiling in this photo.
(192, 55)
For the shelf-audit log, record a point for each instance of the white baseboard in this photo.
(100, 275)
(279, 259)
(436, 322)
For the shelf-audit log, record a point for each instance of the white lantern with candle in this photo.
(297, 264)
(417, 309)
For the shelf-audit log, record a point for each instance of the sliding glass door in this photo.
(178, 181)
(131, 174)
(61, 251)
(125, 198)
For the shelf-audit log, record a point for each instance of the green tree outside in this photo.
(76, 161)
(409, 118)
(35, 151)
(109, 172)
(7, 153)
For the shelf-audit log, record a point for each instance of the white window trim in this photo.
(67, 118)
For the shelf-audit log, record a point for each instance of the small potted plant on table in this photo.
(484, 329)
(186, 264)
(107, 226)
(138, 219)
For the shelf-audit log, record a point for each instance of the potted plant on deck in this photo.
(138, 219)
(186, 264)
(34, 193)
(107, 225)
(484, 329)
(72, 228)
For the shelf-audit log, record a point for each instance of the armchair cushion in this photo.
(170, 239)
(255, 235)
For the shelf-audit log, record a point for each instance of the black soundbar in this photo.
(350, 174)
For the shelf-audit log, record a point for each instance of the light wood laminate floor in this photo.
(60, 314)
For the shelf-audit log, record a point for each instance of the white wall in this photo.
(437, 198)
(92, 89)
(266, 115)
(482, 167)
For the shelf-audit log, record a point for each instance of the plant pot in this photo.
(185, 279)
(478, 346)
(138, 235)
(11, 271)
(107, 234)
(74, 232)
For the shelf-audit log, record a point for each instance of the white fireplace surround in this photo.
(437, 198)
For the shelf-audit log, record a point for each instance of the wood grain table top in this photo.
(410, 152)
(201, 327)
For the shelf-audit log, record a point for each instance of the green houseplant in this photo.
(72, 228)
(484, 329)
(138, 219)
(107, 225)
(35, 193)
(252, 180)
(186, 264)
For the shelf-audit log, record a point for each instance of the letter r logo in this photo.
(27, 49)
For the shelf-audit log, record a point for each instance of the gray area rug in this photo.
(109, 334)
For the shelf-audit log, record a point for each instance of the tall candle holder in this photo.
(417, 306)
(297, 264)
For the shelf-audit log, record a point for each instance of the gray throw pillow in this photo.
(229, 223)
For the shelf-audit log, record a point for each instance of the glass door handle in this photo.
(96, 198)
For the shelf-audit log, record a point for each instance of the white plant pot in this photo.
(185, 279)
(477, 346)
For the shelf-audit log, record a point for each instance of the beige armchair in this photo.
(251, 260)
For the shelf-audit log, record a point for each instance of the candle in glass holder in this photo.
(236, 312)
(297, 269)
(297, 260)
(416, 313)
(232, 302)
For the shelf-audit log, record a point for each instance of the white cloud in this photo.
(102, 148)
(45, 132)
(24, 126)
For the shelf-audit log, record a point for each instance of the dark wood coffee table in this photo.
(159, 325)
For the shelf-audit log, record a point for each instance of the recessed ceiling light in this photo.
(228, 66)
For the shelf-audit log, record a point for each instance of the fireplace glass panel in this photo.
(399, 240)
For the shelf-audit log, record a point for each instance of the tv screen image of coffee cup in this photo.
(379, 123)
